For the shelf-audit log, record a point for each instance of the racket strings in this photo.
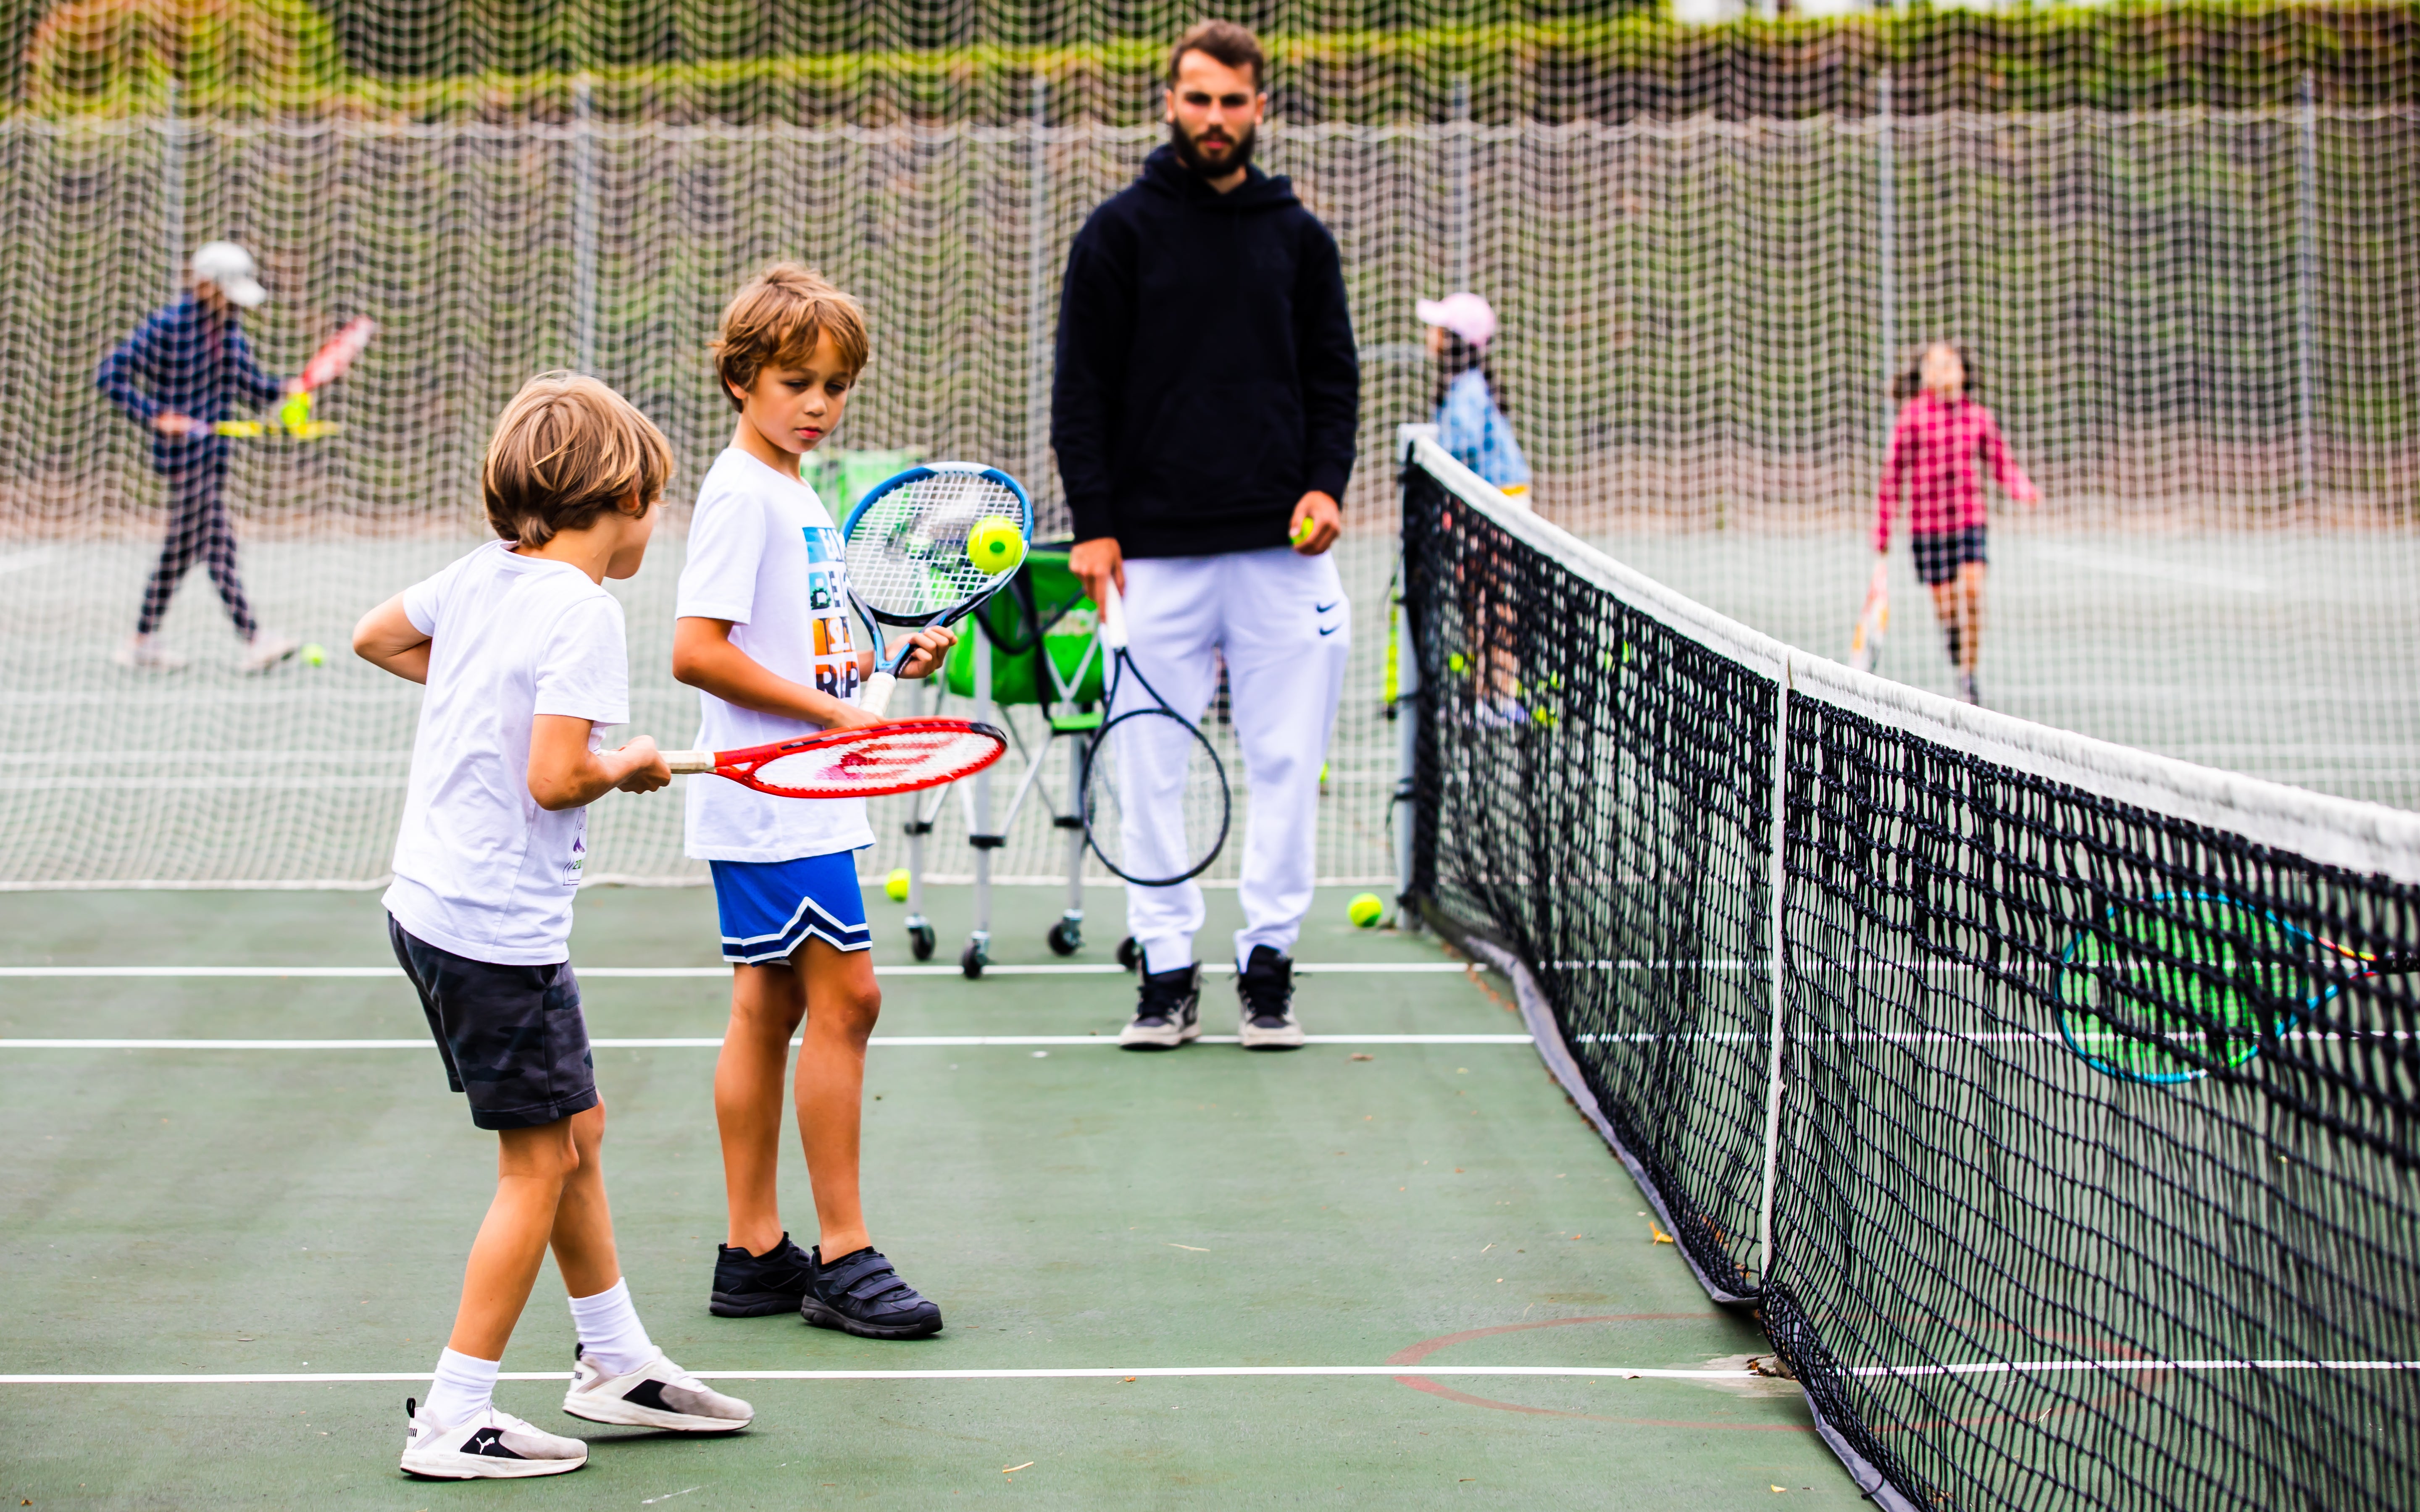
(1157, 803)
(907, 557)
(911, 758)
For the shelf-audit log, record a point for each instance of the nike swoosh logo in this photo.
(1321, 609)
(1329, 629)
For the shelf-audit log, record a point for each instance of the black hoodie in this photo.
(1207, 379)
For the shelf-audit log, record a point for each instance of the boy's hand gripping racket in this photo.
(1157, 805)
(2163, 989)
(908, 561)
(900, 757)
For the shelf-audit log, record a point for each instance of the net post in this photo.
(1408, 704)
(1777, 955)
(172, 187)
(2306, 172)
(583, 229)
(1885, 230)
(1037, 286)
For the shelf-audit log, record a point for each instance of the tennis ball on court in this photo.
(894, 886)
(315, 654)
(1365, 910)
(994, 544)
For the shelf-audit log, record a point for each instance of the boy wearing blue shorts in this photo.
(764, 635)
(522, 653)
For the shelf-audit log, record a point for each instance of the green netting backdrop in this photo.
(2180, 241)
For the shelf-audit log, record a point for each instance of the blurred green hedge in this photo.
(1364, 61)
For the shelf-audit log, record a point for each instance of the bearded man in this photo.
(1204, 416)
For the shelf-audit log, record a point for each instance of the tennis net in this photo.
(2056, 1107)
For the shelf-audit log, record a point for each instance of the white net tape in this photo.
(2198, 330)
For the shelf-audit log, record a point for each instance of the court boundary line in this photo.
(891, 1042)
(1174, 1372)
(1004, 1373)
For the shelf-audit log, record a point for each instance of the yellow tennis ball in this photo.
(315, 654)
(894, 886)
(1365, 910)
(996, 545)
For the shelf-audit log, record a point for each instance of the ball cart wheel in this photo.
(972, 962)
(920, 940)
(1129, 954)
(1065, 938)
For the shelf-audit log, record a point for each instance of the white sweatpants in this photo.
(1281, 621)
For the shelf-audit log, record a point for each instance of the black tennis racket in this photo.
(909, 563)
(1156, 806)
(2167, 988)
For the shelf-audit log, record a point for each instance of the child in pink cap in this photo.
(1471, 423)
(1932, 453)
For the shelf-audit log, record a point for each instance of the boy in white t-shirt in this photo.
(764, 635)
(522, 653)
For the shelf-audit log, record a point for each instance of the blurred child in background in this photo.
(1932, 450)
(1470, 417)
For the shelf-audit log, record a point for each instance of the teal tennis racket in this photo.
(2170, 987)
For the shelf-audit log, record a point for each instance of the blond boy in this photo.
(523, 656)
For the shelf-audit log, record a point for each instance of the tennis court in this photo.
(276, 1211)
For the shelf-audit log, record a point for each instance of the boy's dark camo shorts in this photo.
(512, 1037)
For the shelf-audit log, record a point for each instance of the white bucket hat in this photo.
(1466, 314)
(231, 269)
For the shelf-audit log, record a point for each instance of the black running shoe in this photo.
(759, 1286)
(861, 1294)
(1169, 1011)
(1266, 991)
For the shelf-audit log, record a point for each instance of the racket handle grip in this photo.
(685, 762)
(1113, 616)
(875, 696)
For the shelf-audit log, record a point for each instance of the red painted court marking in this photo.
(1413, 1354)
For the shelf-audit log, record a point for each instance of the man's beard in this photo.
(1237, 156)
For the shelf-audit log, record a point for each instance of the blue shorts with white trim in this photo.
(770, 908)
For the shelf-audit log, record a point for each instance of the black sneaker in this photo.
(759, 1286)
(861, 1294)
(1168, 1014)
(1265, 988)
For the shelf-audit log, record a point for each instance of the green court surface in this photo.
(292, 1210)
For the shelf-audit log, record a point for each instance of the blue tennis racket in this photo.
(910, 561)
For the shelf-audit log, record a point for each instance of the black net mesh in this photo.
(2006, 1277)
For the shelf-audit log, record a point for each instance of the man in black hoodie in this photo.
(1203, 417)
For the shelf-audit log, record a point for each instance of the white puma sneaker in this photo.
(658, 1394)
(490, 1445)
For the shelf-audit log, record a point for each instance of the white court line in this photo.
(1070, 1373)
(894, 1041)
(723, 972)
(1120, 1373)
(2081, 556)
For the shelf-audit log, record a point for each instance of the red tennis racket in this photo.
(900, 757)
(337, 353)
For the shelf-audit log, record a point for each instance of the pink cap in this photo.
(1466, 314)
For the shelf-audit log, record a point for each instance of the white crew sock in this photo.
(463, 1387)
(610, 1331)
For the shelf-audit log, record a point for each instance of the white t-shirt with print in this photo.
(765, 554)
(481, 869)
